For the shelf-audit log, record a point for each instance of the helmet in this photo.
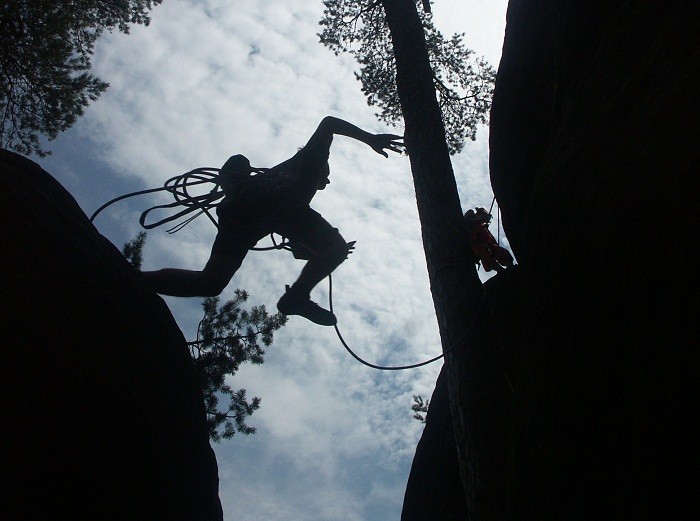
(480, 216)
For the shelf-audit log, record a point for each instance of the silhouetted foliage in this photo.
(227, 337)
(133, 250)
(45, 50)
(419, 406)
(464, 83)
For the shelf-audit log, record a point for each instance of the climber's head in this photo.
(480, 216)
(236, 168)
(483, 216)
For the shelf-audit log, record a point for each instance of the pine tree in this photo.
(419, 406)
(455, 285)
(45, 51)
(133, 250)
(227, 337)
(463, 82)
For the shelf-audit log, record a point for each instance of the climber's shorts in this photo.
(242, 226)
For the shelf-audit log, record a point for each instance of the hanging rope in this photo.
(498, 226)
(398, 367)
(492, 203)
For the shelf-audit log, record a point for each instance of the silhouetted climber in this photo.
(276, 200)
(483, 243)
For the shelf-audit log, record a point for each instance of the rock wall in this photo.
(434, 489)
(593, 159)
(102, 415)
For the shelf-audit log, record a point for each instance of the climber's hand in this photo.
(380, 142)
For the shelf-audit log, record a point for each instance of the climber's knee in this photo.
(504, 257)
(336, 249)
(218, 273)
(212, 284)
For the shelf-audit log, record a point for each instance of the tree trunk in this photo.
(455, 286)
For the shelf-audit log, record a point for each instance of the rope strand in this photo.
(398, 367)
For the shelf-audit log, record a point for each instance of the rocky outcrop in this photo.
(434, 489)
(103, 418)
(594, 157)
(593, 160)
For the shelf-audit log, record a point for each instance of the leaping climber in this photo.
(276, 200)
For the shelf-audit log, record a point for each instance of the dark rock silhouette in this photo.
(102, 416)
(434, 489)
(593, 160)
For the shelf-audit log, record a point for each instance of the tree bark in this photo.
(455, 286)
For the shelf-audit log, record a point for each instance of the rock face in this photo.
(593, 160)
(103, 418)
(434, 489)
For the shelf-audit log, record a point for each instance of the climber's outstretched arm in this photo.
(380, 143)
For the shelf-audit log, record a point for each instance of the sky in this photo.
(212, 78)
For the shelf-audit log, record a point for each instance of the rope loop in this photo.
(453, 347)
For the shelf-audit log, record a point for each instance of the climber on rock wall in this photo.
(487, 250)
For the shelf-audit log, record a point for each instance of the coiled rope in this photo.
(179, 187)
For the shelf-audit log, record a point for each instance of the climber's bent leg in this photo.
(238, 232)
(503, 257)
(297, 299)
(328, 250)
(208, 282)
(328, 254)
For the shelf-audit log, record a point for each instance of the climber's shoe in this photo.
(293, 303)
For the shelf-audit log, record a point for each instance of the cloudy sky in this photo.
(210, 78)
